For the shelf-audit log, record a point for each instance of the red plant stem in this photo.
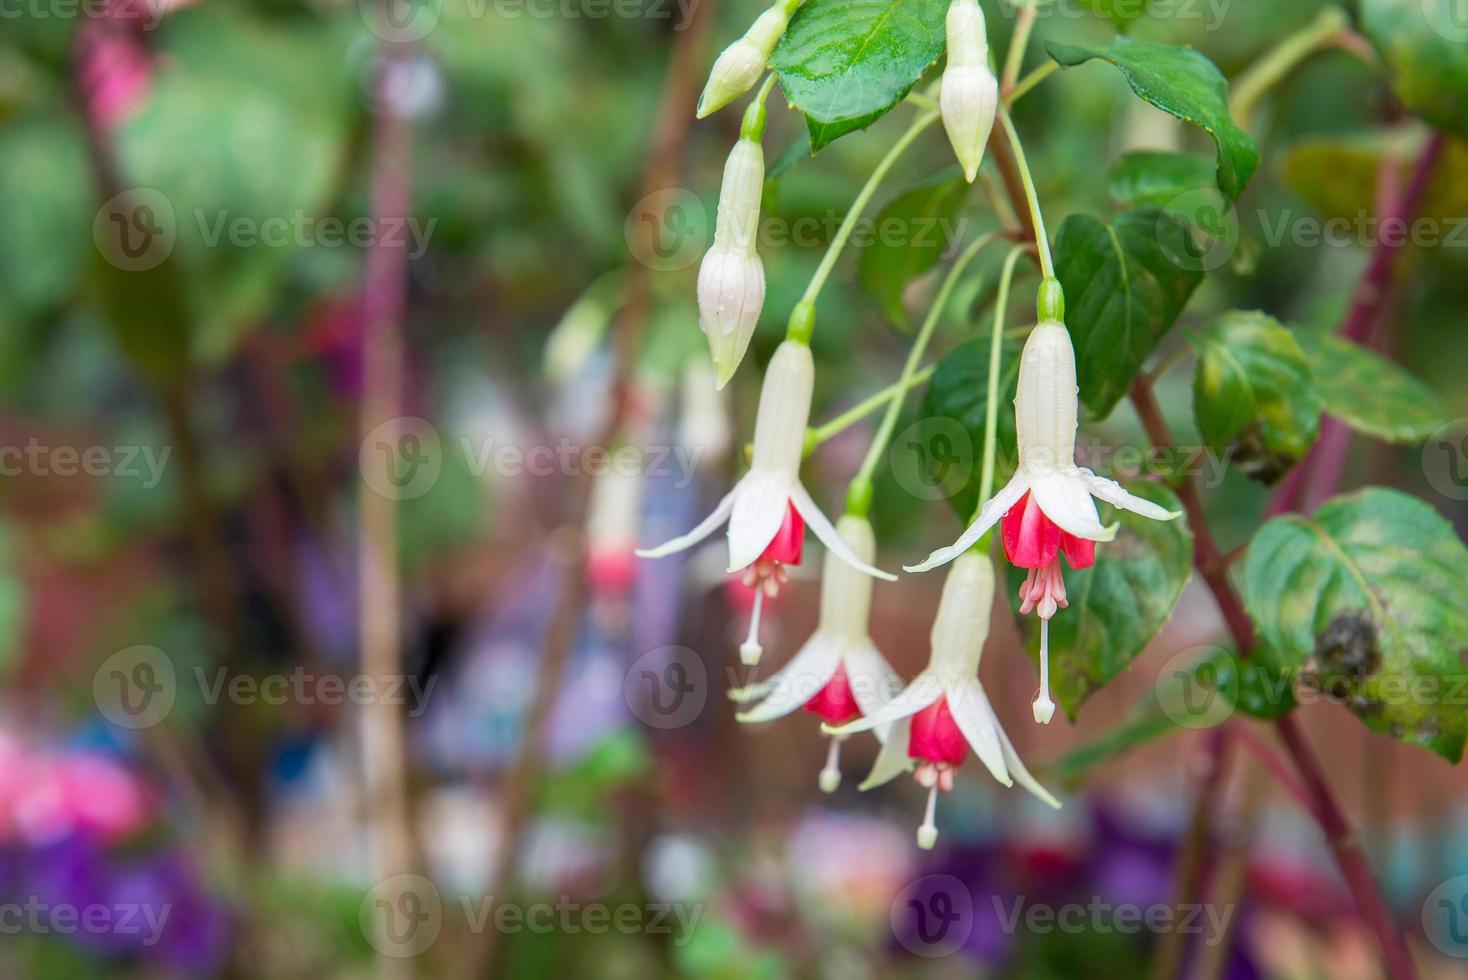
(1270, 761)
(1344, 845)
(1321, 470)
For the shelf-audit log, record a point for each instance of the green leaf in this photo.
(953, 411)
(1118, 604)
(1424, 44)
(1366, 599)
(910, 235)
(1253, 394)
(1182, 83)
(1370, 393)
(1152, 177)
(46, 211)
(1125, 283)
(844, 63)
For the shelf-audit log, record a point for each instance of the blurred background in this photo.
(322, 655)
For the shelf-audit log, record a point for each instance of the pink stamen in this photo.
(1043, 590)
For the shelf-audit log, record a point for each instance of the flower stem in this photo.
(1024, 85)
(753, 126)
(1321, 33)
(802, 318)
(1042, 240)
(816, 435)
(991, 408)
(859, 494)
(1018, 41)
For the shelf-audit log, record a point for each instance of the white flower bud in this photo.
(741, 63)
(784, 410)
(969, 94)
(1045, 400)
(962, 623)
(731, 280)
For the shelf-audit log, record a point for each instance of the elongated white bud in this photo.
(969, 93)
(784, 410)
(741, 63)
(1045, 400)
(962, 623)
(846, 592)
(731, 280)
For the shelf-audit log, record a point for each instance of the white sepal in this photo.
(731, 294)
(846, 593)
(784, 410)
(1045, 406)
(962, 623)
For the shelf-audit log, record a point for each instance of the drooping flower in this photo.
(838, 675)
(944, 711)
(731, 279)
(968, 95)
(768, 509)
(740, 65)
(1047, 507)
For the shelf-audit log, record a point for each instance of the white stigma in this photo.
(831, 774)
(1043, 706)
(750, 651)
(927, 834)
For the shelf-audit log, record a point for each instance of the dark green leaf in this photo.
(1118, 604)
(909, 236)
(1125, 285)
(1253, 394)
(954, 409)
(1365, 598)
(844, 63)
(1183, 83)
(1370, 393)
(1424, 44)
(1152, 177)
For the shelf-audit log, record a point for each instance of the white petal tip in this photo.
(1109, 532)
(931, 562)
(970, 173)
(750, 653)
(643, 552)
(885, 576)
(830, 780)
(739, 695)
(1044, 710)
(1173, 515)
(927, 837)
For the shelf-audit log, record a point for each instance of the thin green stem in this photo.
(816, 435)
(991, 408)
(859, 494)
(1015, 57)
(1024, 85)
(802, 318)
(753, 125)
(1271, 68)
(1042, 240)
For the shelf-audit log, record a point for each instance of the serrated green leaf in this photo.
(844, 63)
(959, 392)
(1253, 394)
(1183, 83)
(1366, 597)
(911, 234)
(1370, 393)
(1156, 178)
(1118, 604)
(1124, 289)
(1424, 44)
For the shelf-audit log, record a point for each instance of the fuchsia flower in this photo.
(1047, 507)
(769, 509)
(944, 711)
(838, 675)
